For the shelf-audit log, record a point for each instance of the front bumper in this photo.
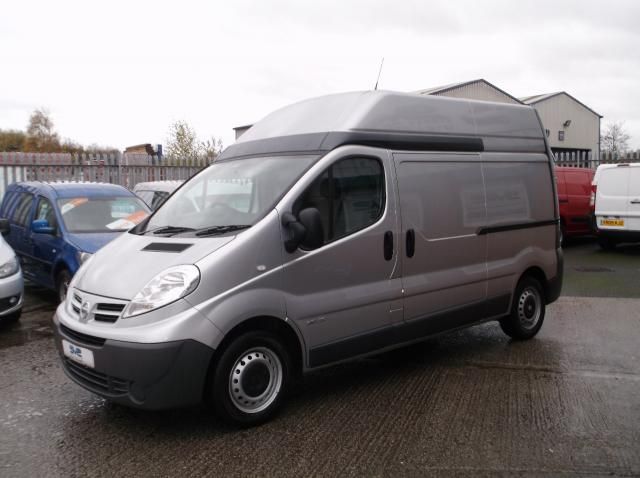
(11, 294)
(149, 376)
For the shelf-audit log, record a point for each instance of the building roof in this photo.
(532, 100)
(454, 86)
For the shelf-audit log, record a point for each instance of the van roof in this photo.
(71, 189)
(604, 167)
(166, 186)
(393, 120)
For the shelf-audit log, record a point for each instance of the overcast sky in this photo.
(120, 72)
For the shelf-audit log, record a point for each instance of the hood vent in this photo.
(166, 247)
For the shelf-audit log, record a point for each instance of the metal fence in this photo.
(124, 169)
(583, 159)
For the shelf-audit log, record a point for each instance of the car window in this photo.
(350, 196)
(146, 196)
(158, 198)
(45, 211)
(102, 214)
(23, 209)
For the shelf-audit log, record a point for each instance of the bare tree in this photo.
(210, 149)
(183, 146)
(614, 139)
(40, 134)
(182, 143)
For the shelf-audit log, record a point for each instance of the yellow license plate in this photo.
(612, 222)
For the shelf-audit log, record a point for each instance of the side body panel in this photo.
(520, 219)
(633, 210)
(442, 202)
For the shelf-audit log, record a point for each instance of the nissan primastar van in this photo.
(335, 228)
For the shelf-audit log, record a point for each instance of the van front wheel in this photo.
(250, 379)
(527, 311)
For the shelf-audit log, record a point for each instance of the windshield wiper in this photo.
(171, 230)
(213, 230)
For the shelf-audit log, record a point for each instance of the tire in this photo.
(527, 311)
(62, 284)
(250, 379)
(606, 244)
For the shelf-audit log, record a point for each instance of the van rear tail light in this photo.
(592, 198)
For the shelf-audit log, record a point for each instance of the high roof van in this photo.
(336, 228)
(617, 203)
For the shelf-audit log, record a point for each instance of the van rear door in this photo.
(443, 205)
(612, 198)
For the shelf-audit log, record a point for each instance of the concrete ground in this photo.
(471, 403)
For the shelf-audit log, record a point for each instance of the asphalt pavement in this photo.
(470, 403)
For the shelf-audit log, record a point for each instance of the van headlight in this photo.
(9, 268)
(168, 286)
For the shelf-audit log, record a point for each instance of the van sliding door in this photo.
(443, 205)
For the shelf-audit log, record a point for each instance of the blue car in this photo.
(55, 227)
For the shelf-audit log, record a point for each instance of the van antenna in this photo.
(379, 71)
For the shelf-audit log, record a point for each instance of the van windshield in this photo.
(228, 196)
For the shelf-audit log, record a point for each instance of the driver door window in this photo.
(349, 196)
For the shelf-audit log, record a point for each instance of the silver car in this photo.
(335, 228)
(11, 282)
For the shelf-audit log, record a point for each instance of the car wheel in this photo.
(606, 244)
(527, 311)
(250, 379)
(62, 284)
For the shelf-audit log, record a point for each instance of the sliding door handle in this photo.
(388, 245)
(411, 243)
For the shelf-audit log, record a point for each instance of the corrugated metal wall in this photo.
(478, 91)
(584, 131)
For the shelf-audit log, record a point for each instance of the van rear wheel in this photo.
(250, 379)
(527, 311)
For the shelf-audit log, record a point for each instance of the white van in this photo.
(617, 203)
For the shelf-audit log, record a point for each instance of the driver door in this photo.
(341, 295)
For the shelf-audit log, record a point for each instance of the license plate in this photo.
(612, 222)
(78, 354)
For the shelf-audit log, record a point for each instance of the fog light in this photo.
(13, 300)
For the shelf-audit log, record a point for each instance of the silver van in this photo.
(335, 228)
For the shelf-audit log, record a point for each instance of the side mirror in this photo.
(296, 229)
(311, 220)
(41, 226)
(5, 227)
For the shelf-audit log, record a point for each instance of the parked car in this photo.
(55, 227)
(574, 196)
(617, 203)
(155, 193)
(11, 283)
(335, 228)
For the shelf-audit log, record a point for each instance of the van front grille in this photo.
(94, 380)
(107, 312)
(82, 338)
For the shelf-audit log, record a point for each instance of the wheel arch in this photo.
(281, 328)
(538, 274)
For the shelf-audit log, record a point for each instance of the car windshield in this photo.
(102, 214)
(228, 196)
